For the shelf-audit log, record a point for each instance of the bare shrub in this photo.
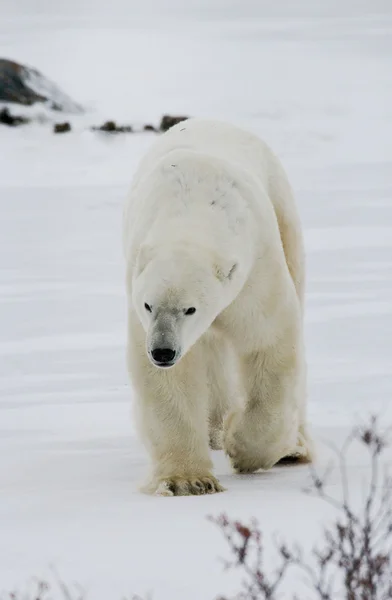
(40, 589)
(246, 544)
(354, 559)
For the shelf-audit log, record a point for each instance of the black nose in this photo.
(163, 356)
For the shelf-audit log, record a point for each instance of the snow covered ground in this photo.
(315, 80)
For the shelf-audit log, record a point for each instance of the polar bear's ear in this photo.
(225, 271)
(143, 258)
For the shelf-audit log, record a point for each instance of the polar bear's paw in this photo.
(185, 486)
(243, 463)
(237, 447)
(243, 460)
(302, 453)
(244, 445)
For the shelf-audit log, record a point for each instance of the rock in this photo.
(24, 85)
(61, 127)
(112, 127)
(149, 128)
(168, 121)
(11, 120)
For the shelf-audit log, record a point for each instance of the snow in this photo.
(315, 80)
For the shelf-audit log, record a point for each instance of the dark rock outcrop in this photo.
(6, 118)
(24, 85)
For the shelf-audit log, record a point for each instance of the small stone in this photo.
(62, 127)
(108, 126)
(112, 127)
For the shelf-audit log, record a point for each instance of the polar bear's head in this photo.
(177, 294)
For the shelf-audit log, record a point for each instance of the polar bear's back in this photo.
(249, 153)
(215, 138)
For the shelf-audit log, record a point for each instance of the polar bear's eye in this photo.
(147, 307)
(190, 311)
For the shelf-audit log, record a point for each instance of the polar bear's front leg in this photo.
(223, 385)
(172, 411)
(268, 428)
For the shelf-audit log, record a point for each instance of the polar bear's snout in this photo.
(163, 345)
(163, 357)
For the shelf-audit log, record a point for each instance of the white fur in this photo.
(211, 223)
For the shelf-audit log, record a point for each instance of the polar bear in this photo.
(215, 286)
